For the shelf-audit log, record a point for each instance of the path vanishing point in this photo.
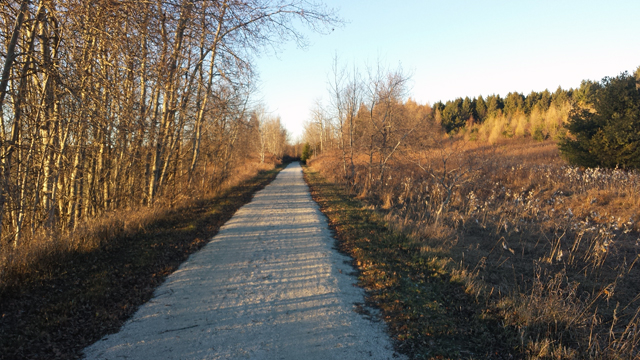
(269, 285)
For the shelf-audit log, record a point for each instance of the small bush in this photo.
(539, 135)
(306, 153)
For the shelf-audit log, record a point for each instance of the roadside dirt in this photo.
(269, 285)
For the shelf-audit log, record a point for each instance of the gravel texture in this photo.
(270, 285)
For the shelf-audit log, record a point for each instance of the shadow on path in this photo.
(269, 285)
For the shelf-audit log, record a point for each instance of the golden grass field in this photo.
(550, 248)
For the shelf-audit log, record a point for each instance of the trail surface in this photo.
(269, 285)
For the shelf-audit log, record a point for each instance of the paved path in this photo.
(268, 286)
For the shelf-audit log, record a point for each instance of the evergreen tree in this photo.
(530, 101)
(544, 100)
(586, 93)
(306, 153)
(608, 136)
(439, 106)
(467, 110)
(513, 103)
(452, 119)
(481, 109)
(494, 103)
(560, 97)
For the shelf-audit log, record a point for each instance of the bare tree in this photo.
(389, 124)
(272, 136)
(337, 84)
(320, 125)
(143, 101)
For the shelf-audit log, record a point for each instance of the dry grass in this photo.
(422, 300)
(551, 248)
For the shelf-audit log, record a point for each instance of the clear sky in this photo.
(456, 48)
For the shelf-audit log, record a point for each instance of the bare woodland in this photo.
(108, 105)
(368, 116)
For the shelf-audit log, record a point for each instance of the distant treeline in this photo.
(595, 123)
(458, 113)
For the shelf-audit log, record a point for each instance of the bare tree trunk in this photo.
(23, 195)
(11, 54)
(15, 129)
(207, 91)
(57, 182)
(168, 106)
(74, 192)
(50, 120)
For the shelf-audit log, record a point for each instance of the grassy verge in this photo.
(422, 298)
(57, 310)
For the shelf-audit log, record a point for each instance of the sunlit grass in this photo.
(549, 248)
(421, 297)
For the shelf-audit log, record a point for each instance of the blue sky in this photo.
(457, 48)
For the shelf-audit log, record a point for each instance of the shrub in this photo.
(606, 132)
(306, 153)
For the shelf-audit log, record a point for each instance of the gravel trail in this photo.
(269, 285)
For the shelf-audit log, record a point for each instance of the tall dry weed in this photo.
(551, 247)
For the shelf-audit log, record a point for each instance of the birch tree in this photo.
(111, 105)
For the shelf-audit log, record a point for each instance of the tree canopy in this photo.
(606, 132)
